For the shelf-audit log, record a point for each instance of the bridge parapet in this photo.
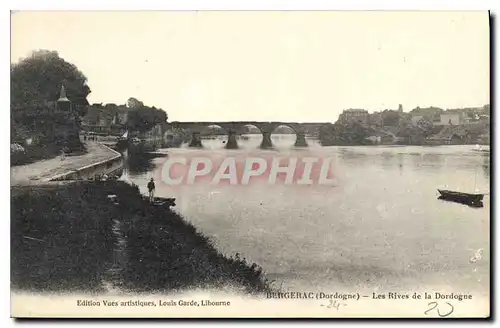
(234, 128)
(239, 125)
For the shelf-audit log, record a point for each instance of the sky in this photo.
(268, 66)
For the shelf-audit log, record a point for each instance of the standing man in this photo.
(151, 189)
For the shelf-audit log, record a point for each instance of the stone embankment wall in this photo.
(110, 167)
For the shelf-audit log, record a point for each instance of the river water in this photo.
(381, 226)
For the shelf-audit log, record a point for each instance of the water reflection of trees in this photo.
(432, 158)
(137, 163)
(387, 159)
(415, 160)
(352, 158)
(428, 160)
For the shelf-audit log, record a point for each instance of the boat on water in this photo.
(164, 202)
(461, 197)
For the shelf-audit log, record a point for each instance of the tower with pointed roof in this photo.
(63, 103)
(67, 128)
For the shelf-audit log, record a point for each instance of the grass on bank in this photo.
(66, 238)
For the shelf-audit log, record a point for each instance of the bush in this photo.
(33, 153)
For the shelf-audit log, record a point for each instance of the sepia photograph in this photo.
(250, 164)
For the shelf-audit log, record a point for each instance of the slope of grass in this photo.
(67, 237)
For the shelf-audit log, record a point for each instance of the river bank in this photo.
(98, 160)
(72, 238)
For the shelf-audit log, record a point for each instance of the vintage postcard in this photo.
(250, 164)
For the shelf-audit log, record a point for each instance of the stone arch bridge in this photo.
(237, 128)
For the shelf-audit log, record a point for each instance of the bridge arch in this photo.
(283, 136)
(235, 130)
(214, 136)
(298, 130)
(249, 136)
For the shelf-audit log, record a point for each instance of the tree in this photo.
(38, 79)
(134, 103)
(350, 133)
(142, 118)
(391, 117)
(111, 107)
(425, 124)
(35, 86)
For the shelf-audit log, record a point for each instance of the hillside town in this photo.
(419, 126)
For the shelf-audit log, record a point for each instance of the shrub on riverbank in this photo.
(160, 250)
(37, 152)
(33, 154)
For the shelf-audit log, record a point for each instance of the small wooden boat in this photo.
(167, 202)
(461, 197)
